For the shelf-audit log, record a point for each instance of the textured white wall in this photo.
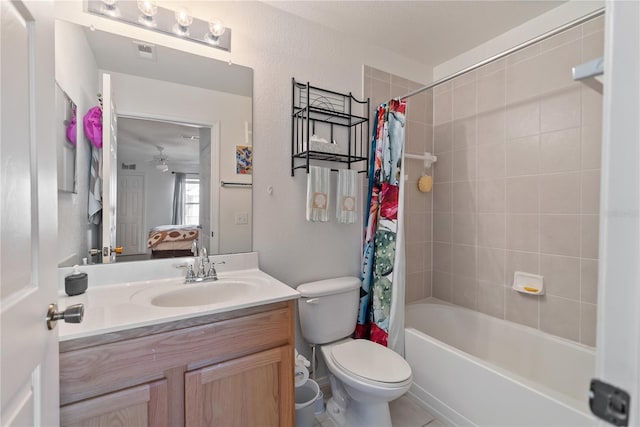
(279, 46)
(548, 21)
(78, 77)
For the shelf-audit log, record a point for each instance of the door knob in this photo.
(72, 314)
(106, 251)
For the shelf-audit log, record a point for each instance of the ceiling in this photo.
(117, 53)
(145, 136)
(430, 32)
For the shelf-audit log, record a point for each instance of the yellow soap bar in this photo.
(530, 289)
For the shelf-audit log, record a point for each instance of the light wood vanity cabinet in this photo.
(136, 406)
(229, 369)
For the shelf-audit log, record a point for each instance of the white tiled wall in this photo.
(517, 186)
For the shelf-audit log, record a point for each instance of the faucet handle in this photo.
(190, 273)
(189, 267)
(212, 269)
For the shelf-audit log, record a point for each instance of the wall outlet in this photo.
(242, 218)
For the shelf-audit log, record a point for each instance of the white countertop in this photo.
(117, 307)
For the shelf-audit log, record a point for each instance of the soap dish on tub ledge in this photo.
(528, 283)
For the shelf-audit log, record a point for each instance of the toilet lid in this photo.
(372, 361)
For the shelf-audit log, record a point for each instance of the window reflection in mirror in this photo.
(66, 141)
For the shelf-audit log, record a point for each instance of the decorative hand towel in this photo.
(318, 194)
(347, 195)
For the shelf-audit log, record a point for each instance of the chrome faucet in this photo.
(203, 259)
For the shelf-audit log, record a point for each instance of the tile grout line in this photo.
(506, 288)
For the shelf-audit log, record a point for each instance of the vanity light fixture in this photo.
(179, 23)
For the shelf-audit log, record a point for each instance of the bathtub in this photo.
(474, 369)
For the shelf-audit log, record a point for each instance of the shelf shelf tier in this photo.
(340, 119)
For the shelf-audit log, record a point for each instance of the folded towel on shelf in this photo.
(320, 144)
(318, 194)
(347, 195)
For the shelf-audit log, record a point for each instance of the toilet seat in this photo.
(371, 362)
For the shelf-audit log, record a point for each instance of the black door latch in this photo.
(609, 403)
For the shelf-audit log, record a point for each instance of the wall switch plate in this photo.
(242, 218)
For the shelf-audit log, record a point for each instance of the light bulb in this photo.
(149, 9)
(183, 20)
(184, 17)
(216, 29)
(109, 8)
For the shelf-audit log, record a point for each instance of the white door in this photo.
(28, 216)
(109, 171)
(618, 337)
(130, 234)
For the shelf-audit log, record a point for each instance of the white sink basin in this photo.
(225, 291)
(203, 294)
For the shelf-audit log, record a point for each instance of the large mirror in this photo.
(179, 158)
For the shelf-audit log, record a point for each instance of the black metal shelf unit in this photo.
(340, 118)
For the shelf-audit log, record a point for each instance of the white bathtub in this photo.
(474, 369)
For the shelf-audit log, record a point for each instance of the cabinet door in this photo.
(255, 390)
(144, 405)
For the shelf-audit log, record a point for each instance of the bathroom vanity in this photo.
(224, 363)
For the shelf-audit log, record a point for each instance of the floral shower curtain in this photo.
(381, 313)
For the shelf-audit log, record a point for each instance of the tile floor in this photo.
(405, 412)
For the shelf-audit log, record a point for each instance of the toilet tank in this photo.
(328, 309)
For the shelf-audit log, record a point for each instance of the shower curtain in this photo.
(381, 312)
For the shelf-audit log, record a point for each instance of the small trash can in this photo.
(306, 396)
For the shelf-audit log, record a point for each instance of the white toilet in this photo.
(371, 374)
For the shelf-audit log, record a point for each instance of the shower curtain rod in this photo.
(528, 43)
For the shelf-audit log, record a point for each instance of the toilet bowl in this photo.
(366, 375)
(372, 375)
